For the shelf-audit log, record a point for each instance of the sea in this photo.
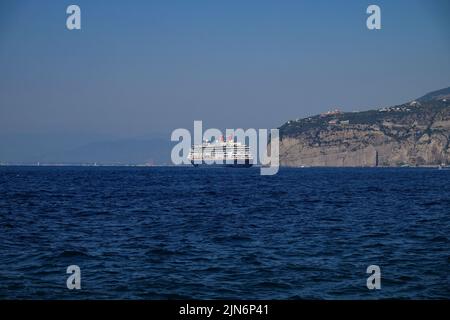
(224, 233)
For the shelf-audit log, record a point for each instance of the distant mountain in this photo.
(129, 151)
(416, 133)
(436, 95)
(77, 149)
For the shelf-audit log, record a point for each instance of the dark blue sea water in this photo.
(168, 233)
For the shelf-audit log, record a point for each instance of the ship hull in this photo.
(247, 164)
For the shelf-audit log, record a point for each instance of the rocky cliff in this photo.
(416, 133)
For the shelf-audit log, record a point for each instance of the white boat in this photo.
(221, 153)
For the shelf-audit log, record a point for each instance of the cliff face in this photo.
(415, 134)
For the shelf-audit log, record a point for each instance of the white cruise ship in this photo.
(221, 153)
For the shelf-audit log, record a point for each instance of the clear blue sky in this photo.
(140, 67)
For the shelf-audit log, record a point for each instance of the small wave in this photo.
(312, 200)
(175, 296)
(405, 278)
(210, 269)
(251, 259)
(25, 195)
(374, 189)
(273, 285)
(431, 203)
(440, 239)
(72, 253)
(375, 234)
(7, 225)
(161, 252)
(232, 238)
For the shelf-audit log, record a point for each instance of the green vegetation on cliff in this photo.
(414, 133)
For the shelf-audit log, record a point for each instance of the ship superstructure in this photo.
(222, 153)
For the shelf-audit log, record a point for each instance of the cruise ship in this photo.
(221, 153)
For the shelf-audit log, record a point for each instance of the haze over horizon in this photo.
(137, 71)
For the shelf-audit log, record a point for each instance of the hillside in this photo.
(415, 133)
(436, 95)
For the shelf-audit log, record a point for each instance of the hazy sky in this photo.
(138, 67)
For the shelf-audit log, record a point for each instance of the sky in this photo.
(145, 68)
